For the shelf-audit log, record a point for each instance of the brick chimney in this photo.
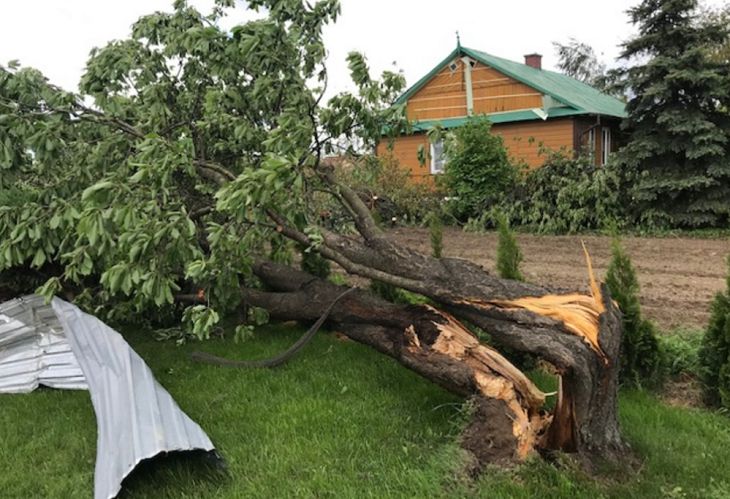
(534, 60)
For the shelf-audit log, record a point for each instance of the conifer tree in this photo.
(436, 230)
(639, 346)
(509, 255)
(678, 152)
(715, 351)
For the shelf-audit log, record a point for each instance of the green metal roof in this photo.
(578, 97)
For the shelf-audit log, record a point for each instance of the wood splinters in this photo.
(595, 288)
(458, 342)
(580, 314)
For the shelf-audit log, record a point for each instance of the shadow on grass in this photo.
(174, 474)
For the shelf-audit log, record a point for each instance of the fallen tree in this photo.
(509, 422)
(199, 167)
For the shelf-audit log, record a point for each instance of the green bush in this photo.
(436, 230)
(640, 359)
(509, 255)
(567, 195)
(478, 170)
(388, 189)
(715, 351)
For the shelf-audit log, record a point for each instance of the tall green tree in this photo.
(160, 173)
(678, 152)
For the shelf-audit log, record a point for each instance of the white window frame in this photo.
(592, 145)
(605, 144)
(437, 163)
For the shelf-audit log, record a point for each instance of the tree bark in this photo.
(508, 421)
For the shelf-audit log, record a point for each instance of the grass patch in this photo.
(338, 421)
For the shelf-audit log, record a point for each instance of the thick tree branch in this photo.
(221, 172)
(363, 218)
(280, 358)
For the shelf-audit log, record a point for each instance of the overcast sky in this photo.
(56, 36)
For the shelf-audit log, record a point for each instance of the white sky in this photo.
(56, 36)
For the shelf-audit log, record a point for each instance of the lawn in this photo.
(338, 421)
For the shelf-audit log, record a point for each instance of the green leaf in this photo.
(50, 288)
(55, 221)
(98, 187)
(39, 258)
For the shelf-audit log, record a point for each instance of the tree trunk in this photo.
(578, 334)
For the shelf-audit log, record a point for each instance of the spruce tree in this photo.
(639, 346)
(678, 151)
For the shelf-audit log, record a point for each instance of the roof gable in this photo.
(583, 98)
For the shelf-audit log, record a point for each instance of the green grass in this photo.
(338, 421)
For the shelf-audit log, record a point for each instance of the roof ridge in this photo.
(522, 64)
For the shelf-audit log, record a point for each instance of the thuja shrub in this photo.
(715, 350)
(640, 357)
(436, 231)
(509, 255)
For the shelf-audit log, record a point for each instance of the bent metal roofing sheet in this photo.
(60, 346)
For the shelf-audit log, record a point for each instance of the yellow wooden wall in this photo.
(444, 96)
(405, 153)
(522, 140)
(493, 92)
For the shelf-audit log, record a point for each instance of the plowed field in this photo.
(678, 276)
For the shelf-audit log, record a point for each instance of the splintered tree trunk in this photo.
(578, 334)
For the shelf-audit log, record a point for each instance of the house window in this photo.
(437, 157)
(605, 145)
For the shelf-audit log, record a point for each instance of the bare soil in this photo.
(678, 276)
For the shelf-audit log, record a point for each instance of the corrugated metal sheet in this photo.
(33, 349)
(136, 417)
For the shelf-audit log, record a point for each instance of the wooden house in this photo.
(530, 108)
